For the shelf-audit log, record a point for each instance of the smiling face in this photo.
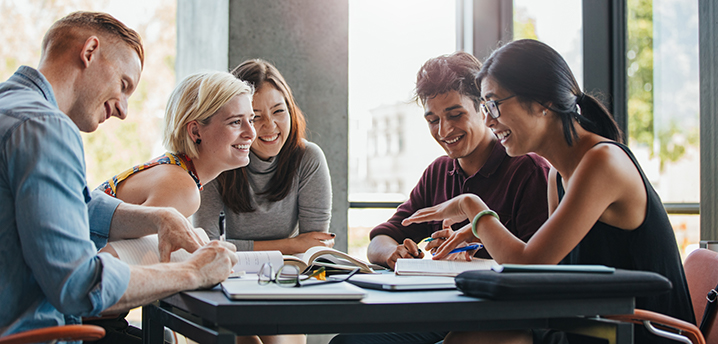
(227, 138)
(272, 122)
(519, 126)
(457, 126)
(105, 86)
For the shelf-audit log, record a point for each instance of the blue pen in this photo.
(466, 248)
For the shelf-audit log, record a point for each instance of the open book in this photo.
(144, 251)
(329, 258)
(428, 267)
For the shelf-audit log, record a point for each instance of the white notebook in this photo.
(249, 289)
(428, 267)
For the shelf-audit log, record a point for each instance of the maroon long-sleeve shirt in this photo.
(515, 188)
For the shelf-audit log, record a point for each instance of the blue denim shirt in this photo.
(50, 271)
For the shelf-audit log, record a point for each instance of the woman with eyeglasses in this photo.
(603, 210)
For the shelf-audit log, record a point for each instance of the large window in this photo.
(663, 103)
(389, 142)
(557, 23)
(662, 77)
(117, 144)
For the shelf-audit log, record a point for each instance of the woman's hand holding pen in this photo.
(452, 211)
(436, 240)
(457, 239)
(457, 246)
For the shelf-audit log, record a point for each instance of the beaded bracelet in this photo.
(478, 216)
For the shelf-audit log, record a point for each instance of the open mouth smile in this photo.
(242, 147)
(502, 135)
(269, 138)
(454, 140)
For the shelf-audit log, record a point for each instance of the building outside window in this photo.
(389, 140)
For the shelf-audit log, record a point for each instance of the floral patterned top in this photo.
(181, 160)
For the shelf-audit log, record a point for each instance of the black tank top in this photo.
(650, 247)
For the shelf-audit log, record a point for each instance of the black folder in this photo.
(560, 285)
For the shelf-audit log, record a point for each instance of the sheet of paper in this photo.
(251, 261)
(144, 251)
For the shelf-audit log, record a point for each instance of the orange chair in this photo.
(55, 333)
(701, 267)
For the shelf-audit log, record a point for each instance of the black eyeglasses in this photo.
(491, 107)
(290, 277)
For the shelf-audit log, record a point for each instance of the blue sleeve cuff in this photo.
(101, 208)
(115, 280)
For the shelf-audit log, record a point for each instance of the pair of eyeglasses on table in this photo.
(289, 276)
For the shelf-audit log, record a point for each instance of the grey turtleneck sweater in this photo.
(306, 208)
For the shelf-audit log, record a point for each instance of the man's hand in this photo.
(174, 232)
(213, 262)
(206, 267)
(408, 249)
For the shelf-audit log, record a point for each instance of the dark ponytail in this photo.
(595, 118)
(533, 71)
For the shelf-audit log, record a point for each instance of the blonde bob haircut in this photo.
(197, 98)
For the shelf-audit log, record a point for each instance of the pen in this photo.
(466, 248)
(428, 239)
(221, 226)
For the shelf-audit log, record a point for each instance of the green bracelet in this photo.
(478, 216)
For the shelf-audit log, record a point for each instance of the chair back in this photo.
(701, 267)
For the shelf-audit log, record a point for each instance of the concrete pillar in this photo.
(202, 36)
(307, 40)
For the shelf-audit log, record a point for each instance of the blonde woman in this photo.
(207, 130)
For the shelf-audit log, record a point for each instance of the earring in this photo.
(198, 141)
(544, 112)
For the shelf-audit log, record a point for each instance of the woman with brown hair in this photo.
(282, 199)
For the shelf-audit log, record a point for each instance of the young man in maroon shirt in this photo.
(476, 162)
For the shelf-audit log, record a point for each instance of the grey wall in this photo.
(307, 40)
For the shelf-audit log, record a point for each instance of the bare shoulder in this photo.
(608, 173)
(169, 186)
(604, 172)
(610, 160)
